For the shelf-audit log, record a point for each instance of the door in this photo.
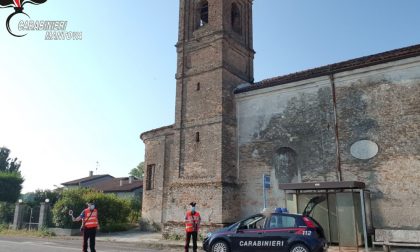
(249, 232)
(279, 230)
(312, 204)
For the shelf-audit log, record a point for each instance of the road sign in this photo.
(267, 182)
(266, 185)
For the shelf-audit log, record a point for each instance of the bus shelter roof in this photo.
(323, 185)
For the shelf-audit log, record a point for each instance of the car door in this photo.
(312, 204)
(280, 228)
(248, 233)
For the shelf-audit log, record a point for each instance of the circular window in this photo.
(364, 149)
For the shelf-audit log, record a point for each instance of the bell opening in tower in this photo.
(204, 13)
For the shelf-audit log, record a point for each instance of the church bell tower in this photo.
(215, 55)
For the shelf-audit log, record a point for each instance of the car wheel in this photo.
(220, 246)
(299, 248)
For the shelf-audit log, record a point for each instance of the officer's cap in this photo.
(193, 204)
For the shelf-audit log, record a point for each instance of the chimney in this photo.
(90, 173)
(130, 179)
(121, 182)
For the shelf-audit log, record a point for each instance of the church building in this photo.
(354, 121)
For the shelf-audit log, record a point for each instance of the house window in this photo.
(236, 19)
(204, 13)
(150, 177)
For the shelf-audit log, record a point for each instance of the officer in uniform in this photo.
(192, 225)
(90, 224)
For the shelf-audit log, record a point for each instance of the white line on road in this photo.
(40, 245)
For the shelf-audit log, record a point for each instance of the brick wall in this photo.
(158, 145)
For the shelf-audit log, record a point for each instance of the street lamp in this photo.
(20, 201)
(47, 200)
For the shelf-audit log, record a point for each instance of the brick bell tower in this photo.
(215, 55)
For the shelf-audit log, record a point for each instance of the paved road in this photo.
(20, 244)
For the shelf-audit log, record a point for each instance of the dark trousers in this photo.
(91, 235)
(187, 241)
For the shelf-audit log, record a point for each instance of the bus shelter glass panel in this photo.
(349, 220)
(332, 217)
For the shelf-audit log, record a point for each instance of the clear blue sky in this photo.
(67, 104)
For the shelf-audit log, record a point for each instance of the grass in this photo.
(25, 233)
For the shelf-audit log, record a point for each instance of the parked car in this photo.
(273, 231)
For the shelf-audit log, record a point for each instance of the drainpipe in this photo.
(337, 140)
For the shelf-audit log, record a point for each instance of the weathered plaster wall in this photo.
(382, 104)
(288, 131)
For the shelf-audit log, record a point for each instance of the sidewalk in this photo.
(155, 241)
(144, 239)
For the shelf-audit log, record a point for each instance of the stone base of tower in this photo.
(217, 204)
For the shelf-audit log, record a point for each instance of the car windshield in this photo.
(233, 226)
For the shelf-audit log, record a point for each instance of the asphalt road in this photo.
(24, 244)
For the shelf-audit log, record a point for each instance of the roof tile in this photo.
(380, 58)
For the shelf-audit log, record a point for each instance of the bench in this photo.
(398, 238)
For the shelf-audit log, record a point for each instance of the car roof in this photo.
(268, 214)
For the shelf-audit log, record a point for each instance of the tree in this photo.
(10, 178)
(138, 171)
(8, 164)
(39, 196)
(10, 186)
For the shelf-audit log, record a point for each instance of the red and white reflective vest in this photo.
(192, 221)
(92, 221)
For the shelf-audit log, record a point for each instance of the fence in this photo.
(32, 217)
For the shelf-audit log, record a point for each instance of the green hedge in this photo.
(112, 211)
(7, 211)
(10, 186)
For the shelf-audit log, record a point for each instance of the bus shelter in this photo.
(345, 215)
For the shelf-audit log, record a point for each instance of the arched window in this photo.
(204, 13)
(236, 19)
(285, 165)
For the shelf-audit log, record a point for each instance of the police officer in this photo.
(192, 225)
(90, 224)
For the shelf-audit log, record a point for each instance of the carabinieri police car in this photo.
(278, 231)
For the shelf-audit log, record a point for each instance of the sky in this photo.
(67, 106)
